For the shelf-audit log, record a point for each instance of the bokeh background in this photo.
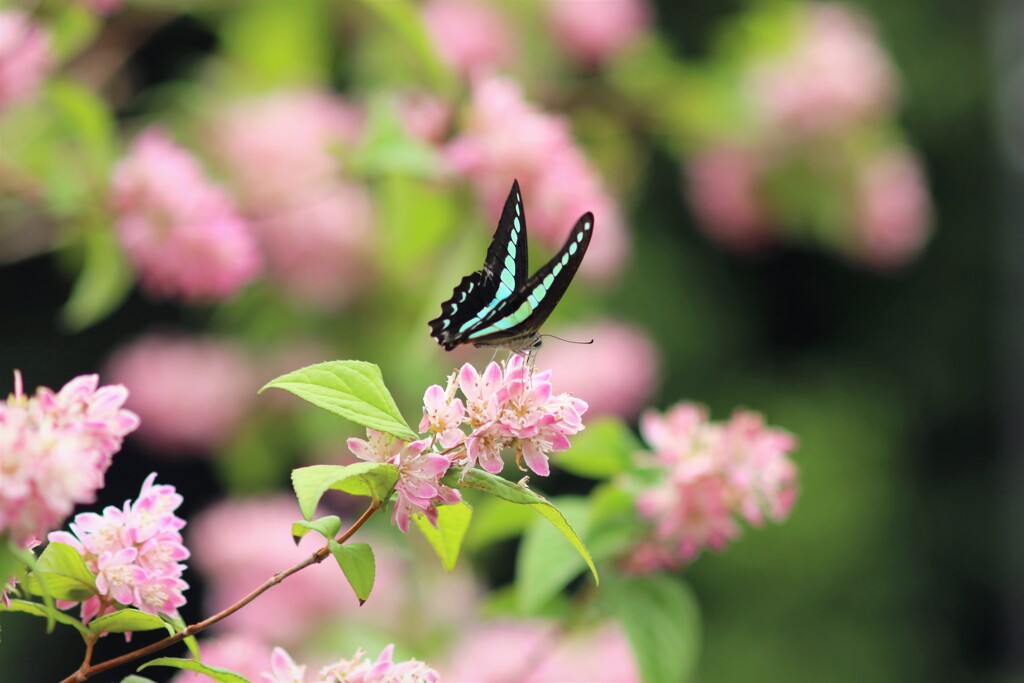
(813, 210)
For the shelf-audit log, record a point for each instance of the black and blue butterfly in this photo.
(499, 305)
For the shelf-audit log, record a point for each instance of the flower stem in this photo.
(88, 670)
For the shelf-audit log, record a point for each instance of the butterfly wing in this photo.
(514, 322)
(479, 294)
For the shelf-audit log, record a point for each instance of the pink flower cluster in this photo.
(281, 153)
(135, 552)
(539, 651)
(191, 393)
(55, 448)
(470, 36)
(511, 407)
(25, 56)
(834, 75)
(505, 407)
(283, 669)
(182, 234)
(826, 89)
(593, 31)
(709, 476)
(507, 137)
(419, 488)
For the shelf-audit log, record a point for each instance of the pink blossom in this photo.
(513, 407)
(592, 31)
(55, 449)
(26, 56)
(470, 36)
(443, 414)
(281, 153)
(236, 652)
(538, 652)
(893, 209)
(617, 373)
(232, 564)
(283, 669)
(724, 192)
(419, 489)
(192, 393)
(834, 75)
(135, 551)
(505, 137)
(182, 234)
(709, 476)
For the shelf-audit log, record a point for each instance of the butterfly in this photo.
(498, 305)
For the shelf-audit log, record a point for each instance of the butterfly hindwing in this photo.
(505, 271)
(514, 322)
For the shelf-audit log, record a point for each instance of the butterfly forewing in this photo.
(514, 322)
(504, 273)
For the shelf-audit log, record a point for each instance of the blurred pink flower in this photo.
(181, 233)
(55, 449)
(507, 138)
(278, 149)
(471, 36)
(425, 116)
(136, 553)
(724, 195)
(616, 374)
(594, 30)
(237, 652)
(25, 56)
(192, 393)
(535, 652)
(283, 669)
(281, 153)
(834, 74)
(222, 542)
(711, 475)
(893, 209)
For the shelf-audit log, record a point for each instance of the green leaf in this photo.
(102, 284)
(545, 564)
(374, 479)
(46, 612)
(72, 28)
(280, 43)
(389, 149)
(613, 525)
(87, 124)
(356, 561)
(602, 451)
(214, 672)
(506, 490)
(496, 520)
(328, 527)
(128, 620)
(662, 620)
(61, 572)
(404, 19)
(353, 389)
(446, 539)
(133, 678)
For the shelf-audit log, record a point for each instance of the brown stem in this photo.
(87, 671)
(90, 643)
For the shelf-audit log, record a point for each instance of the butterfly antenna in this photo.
(568, 341)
